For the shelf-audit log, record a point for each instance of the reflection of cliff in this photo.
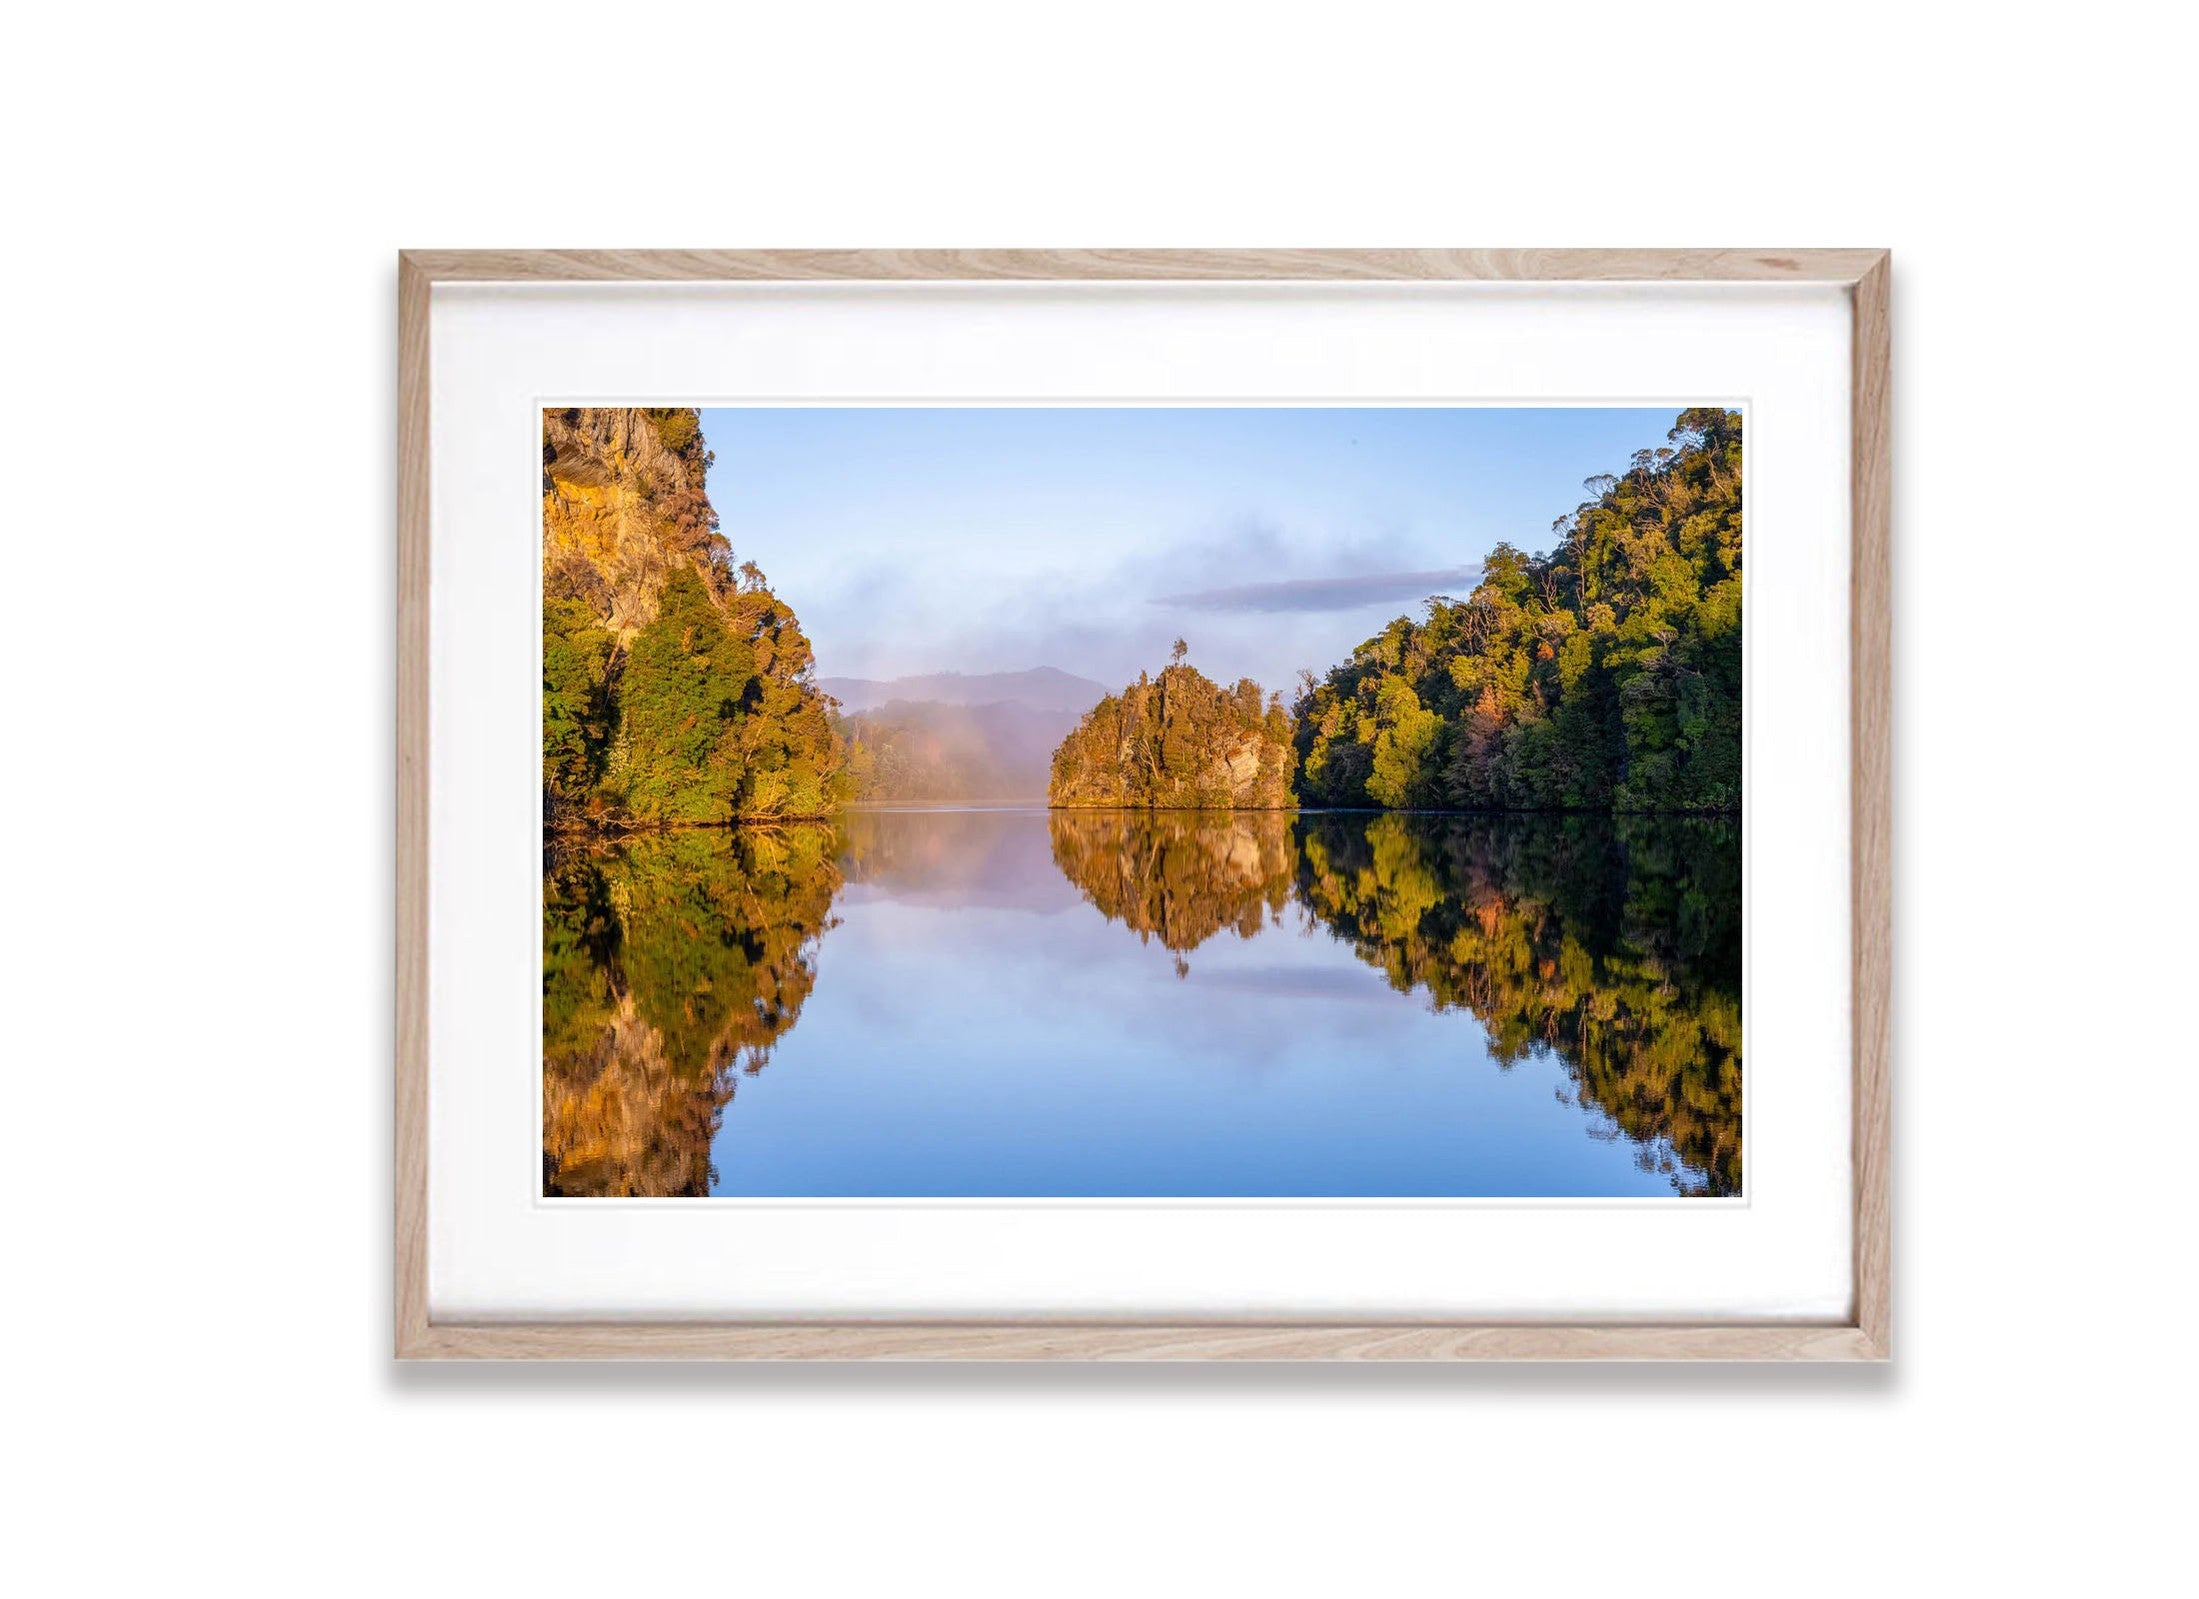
(669, 962)
(1179, 877)
(1614, 944)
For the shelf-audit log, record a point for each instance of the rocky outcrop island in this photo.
(1178, 741)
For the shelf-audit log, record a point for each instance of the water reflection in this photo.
(671, 963)
(953, 859)
(1613, 944)
(982, 1026)
(1178, 876)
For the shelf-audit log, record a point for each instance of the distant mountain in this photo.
(1043, 688)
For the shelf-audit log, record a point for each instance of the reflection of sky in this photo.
(947, 539)
(978, 1049)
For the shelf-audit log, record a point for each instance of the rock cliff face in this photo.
(676, 687)
(623, 507)
(1177, 742)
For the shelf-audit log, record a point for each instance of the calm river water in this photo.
(1016, 1002)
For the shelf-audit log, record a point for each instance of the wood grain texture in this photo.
(1119, 266)
(1870, 624)
(1865, 1337)
(412, 805)
(1145, 1342)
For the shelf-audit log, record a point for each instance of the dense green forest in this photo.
(1178, 741)
(1604, 675)
(676, 687)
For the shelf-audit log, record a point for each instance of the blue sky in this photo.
(927, 539)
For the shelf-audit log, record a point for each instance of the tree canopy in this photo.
(1603, 675)
(1177, 741)
(676, 687)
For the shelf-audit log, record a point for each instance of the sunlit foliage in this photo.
(1603, 675)
(1177, 741)
(676, 687)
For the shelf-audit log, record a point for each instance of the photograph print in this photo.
(1038, 802)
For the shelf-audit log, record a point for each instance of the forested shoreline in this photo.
(676, 687)
(1603, 676)
(703, 840)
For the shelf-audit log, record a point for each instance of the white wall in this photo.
(199, 398)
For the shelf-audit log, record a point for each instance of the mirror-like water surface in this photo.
(1077, 1003)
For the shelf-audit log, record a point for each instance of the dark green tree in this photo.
(1602, 675)
(676, 687)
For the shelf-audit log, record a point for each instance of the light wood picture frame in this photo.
(1863, 1335)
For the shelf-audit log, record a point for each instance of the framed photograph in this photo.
(1260, 804)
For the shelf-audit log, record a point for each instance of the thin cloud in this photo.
(1325, 593)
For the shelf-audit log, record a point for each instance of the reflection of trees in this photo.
(673, 962)
(1614, 943)
(668, 961)
(1177, 876)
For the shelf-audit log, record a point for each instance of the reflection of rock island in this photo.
(671, 962)
(1178, 876)
(1614, 944)
(674, 962)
